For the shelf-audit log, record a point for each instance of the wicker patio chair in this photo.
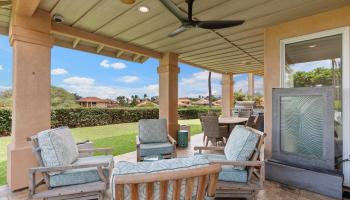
(212, 131)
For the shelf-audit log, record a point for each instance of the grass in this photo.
(120, 137)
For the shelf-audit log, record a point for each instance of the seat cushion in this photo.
(83, 175)
(228, 173)
(241, 144)
(156, 149)
(57, 147)
(125, 168)
(153, 131)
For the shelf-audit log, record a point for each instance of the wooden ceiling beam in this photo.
(68, 31)
(199, 66)
(76, 42)
(25, 7)
(119, 54)
(99, 48)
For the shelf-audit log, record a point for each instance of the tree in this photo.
(60, 98)
(319, 76)
(145, 96)
(122, 101)
(134, 100)
(209, 89)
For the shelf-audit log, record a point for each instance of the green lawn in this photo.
(120, 137)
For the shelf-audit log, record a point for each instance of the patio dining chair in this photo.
(242, 162)
(251, 121)
(244, 113)
(153, 140)
(66, 174)
(212, 131)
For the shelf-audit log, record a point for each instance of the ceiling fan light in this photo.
(144, 9)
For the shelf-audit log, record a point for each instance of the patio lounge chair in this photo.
(153, 140)
(243, 167)
(66, 174)
(180, 178)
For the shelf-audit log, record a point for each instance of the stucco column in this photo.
(168, 71)
(227, 95)
(251, 86)
(31, 41)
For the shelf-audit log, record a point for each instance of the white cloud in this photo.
(1, 68)
(79, 81)
(129, 79)
(59, 71)
(242, 85)
(197, 84)
(2, 88)
(116, 65)
(152, 90)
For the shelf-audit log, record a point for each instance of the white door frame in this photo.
(344, 31)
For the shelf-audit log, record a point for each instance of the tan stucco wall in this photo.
(316, 23)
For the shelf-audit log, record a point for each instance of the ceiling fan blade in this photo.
(178, 31)
(219, 24)
(175, 10)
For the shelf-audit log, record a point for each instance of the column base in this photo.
(19, 160)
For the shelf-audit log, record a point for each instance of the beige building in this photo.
(92, 102)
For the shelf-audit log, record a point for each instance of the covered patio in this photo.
(272, 190)
(118, 30)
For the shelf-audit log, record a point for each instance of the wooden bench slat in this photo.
(163, 190)
(134, 192)
(150, 191)
(120, 192)
(201, 187)
(189, 188)
(176, 189)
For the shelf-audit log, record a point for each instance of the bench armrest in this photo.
(239, 163)
(67, 167)
(171, 140)
(212, 148)
(96, 150)
(137, 141)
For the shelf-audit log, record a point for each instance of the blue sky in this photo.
(94, 75)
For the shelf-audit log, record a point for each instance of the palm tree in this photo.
(209, 88)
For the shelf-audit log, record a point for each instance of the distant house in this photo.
(90, 102)
(217, 103)
(184, 102)
(201, 102)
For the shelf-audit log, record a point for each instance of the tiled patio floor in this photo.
(272, 191)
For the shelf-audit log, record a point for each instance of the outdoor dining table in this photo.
(231, 121)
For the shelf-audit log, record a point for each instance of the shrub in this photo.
(193, 113)
(5, 122)
(83, 117)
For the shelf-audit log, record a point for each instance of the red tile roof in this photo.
(94, 99)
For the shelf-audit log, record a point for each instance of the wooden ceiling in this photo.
(232, 50)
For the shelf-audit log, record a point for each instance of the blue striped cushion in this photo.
(241, 144)
(156, 149)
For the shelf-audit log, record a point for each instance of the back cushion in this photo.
(241, 144)
(57, 147)
(153, 131)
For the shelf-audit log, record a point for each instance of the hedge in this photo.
(83, 117)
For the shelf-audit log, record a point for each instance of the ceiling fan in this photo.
(188, 22)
